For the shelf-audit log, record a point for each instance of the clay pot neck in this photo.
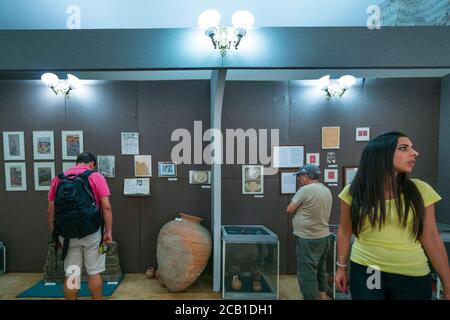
(190, 218)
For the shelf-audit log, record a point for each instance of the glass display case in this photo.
(250, 262)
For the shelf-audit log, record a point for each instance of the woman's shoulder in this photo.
(420, 184)
(428, 193)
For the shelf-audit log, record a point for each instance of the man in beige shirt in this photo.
(311, 209)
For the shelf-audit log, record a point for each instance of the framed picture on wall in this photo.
(252, 179)
(167, 169)
(15, 176)
(136, 187)
(363, 134)
(199, 177)
(43, 145)
(72, 144)
(130, 142)
(330, 175)
(13, 145)
(288, 182)
(313, 158)
(106, 166)
(43, 175)
(288, 156)
(349, 174)
(143, 166)
(331, 137)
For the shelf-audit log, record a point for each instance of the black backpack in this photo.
(76, 212)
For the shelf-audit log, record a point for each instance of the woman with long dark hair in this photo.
(393, 220)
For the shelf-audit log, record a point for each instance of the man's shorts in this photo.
(85, 249)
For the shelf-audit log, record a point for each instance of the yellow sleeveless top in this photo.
(392, 248)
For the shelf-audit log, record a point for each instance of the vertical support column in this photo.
(217, 89)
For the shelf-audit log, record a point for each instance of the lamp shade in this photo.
(50, 79)
(347, 81)
(73, 81)
(243, 19)
(324, 81)
(209, 18)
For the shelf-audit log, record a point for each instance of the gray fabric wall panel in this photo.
(444, 153)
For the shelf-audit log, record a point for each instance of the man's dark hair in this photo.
(86, 157)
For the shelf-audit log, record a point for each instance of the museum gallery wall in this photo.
(154, 109)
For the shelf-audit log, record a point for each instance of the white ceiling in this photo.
(116, 14)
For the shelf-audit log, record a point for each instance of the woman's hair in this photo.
(375, 175)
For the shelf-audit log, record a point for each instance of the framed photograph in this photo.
(43, 145)
(330, 175)
(288, 156)
(130, 143)
(252, 179)
(331, 137)
(288, 182)
(43, 175)
(15, 176)
(136, 187)
(363, 134)
(331, 158)
(13, 145)
(167, 169)
(199, 177)
(313, 158)
(67, 165)
(143, 166)
(349, 174)
(72, 144)
(106, 165)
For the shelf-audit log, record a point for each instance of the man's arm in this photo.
(292, 208)
(107, 218)
(51, 214)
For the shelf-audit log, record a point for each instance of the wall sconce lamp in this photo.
(220, 36)
(337, 87)
(58, 86)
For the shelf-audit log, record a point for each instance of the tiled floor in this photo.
(136, 286)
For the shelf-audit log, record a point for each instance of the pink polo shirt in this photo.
(98, 183)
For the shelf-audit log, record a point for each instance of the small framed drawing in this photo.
(167, 169)
(72, 144)
(67, 165)
(331, 137)
(363, 134)
(330, 175)
(106, 165)
(349, 174)
(43, 145)
(143, 166)
(199, 177)
(288, 156)
(130, 142)
(43, 175)
(331, 158)
(136, 187)
(288, 182)
(252, 179)
(13, 145)
(15, 176)
(313, 158)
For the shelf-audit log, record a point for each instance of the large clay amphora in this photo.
(183, 250)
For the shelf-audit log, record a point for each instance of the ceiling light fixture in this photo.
(58, 86)
(336, 87)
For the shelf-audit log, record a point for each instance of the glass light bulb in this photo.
(209, 18)
(347, 81)
(50, 79)
(243, 19)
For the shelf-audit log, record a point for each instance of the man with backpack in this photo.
(80, 219)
